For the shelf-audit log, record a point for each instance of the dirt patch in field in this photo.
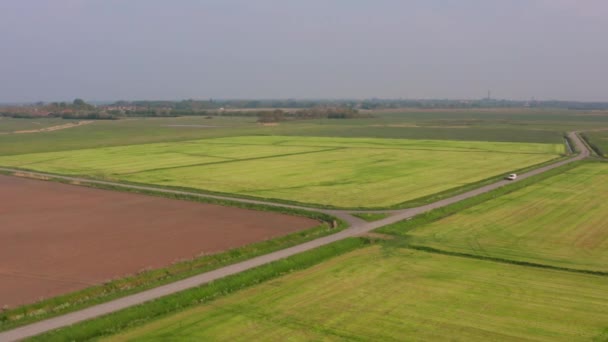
(54, 128)
(57, 238)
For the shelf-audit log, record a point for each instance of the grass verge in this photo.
(11, 318)
(138, 315)
(402, 227)
(380, 293)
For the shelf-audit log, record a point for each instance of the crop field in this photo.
(121, 132)
(324, 171)
(57, 238)
(389, 294)
(506, 125)
(561, 221)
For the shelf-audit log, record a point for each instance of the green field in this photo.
(341, 172)
(103, 133)
(560, 221)
(391, 294)
(507, 125)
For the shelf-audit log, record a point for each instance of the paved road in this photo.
(358, 227)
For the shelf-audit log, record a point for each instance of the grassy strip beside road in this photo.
(147, 312)
(402, 228)
(468, 187)
(384, 293)
(12, 318)
(559, 221)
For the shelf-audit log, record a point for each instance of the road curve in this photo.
(358, 227)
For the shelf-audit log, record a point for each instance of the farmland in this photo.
(521, 125)
(430, 281)
(560, 221)
(388, 293)
(57, 238)
(322, 171)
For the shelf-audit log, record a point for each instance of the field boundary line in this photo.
(506, 261)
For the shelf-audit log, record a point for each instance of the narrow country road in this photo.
(357, 227)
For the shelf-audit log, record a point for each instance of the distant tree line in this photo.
(265, 109)
(329, 113)
(17, 115)
(312, 113)
(85, 116)
(271, 116)
(367, 104)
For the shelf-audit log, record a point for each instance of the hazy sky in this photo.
(161, 49)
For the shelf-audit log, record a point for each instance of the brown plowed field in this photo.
(57, 238)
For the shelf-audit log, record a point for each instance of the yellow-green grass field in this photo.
(394, 294)
(560, 221)
(341, 172)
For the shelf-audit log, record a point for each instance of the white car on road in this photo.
(512, 176)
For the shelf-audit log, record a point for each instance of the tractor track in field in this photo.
(357, 227)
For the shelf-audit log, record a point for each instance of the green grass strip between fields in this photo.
(138, 315)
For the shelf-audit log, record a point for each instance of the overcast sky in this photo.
(159, 49)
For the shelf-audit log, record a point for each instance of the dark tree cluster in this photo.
(271, 116)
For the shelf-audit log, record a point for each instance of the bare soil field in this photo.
(57, 238)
